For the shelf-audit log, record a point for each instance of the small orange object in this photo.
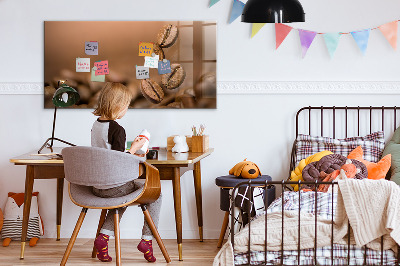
(245, 169)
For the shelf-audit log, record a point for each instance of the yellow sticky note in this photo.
(98, 78)
(145, 48)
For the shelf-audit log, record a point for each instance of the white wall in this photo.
(259, 127)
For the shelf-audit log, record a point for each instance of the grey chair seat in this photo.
(83, 196)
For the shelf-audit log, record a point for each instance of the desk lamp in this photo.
(63, 97)
(273, 11)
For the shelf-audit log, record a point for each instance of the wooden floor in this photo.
(50, 252)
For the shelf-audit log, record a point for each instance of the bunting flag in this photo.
(306, 39)
(332, 41)
(213, 2)
(256, 27)
(361, 37)
(389, 30)
(237, 9)
(281, 31)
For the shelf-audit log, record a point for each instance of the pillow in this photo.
(372, 144)
(375, 170)
(393, 148)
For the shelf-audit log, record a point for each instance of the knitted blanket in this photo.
(371, 206)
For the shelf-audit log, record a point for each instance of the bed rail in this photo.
(265, 185)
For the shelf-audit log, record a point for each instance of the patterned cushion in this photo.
(372, 144)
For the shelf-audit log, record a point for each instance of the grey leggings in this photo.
(154, 208)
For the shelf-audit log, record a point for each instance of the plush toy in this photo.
(296, 174)
(375, 170)
(348, 170)
(13, 215)
(245, 169)
(180, 144)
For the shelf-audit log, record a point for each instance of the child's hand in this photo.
(143, 155)
(137, 144)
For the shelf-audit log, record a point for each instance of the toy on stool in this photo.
(13, 215)
(245, 169)
(180, 144)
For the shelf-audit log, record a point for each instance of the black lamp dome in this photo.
(273, 11)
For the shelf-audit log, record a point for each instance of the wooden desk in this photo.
(168, 163)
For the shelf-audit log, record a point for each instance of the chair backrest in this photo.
(92, 166)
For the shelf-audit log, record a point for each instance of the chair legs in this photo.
(101, 222)
(117, 238)
(73, 237)
(223, 229)
(154, 230)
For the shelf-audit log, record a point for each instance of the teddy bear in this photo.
(180, 144)
(13, 215)
(245, 169)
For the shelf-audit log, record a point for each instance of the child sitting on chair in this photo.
(106, 133)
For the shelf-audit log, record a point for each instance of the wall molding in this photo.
(259, 87)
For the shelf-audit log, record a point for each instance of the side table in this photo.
(226, 183)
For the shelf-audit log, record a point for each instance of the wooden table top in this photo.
(164, 157)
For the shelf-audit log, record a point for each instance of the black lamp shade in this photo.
(65, 96)
(273, 11)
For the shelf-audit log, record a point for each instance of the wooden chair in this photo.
(85, 167)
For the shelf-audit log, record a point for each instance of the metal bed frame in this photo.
(283, 184)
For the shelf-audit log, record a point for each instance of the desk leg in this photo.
(199, 204)
(60, 190)
(176, 182)
(27, 206)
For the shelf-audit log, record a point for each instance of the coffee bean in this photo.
(167, 36)
(151, 91)
(174, 79)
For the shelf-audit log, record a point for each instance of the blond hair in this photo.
(112, 99)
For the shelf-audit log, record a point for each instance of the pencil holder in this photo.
(200, 143)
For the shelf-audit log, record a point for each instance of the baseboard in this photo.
(258, 87)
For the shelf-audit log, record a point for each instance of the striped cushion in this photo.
(372, 145)
(13, 228)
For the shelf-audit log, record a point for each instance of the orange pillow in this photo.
(375, 170)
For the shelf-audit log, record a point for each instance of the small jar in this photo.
(144, 134)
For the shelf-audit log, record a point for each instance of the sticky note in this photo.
(164, 67)
(98, 78)
(145, 48)
(151, 62)
(102, 67)
(82, 64)
(91, 48)
(142, 72)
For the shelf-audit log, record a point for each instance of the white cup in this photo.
(144, 134)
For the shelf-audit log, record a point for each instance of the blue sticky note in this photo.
(164, 67)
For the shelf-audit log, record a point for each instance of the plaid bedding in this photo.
(372, 145)
(322, 207)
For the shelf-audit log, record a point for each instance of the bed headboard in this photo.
(344, 121)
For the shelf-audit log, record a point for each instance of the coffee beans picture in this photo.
(152, 91)
(167, 36)
(174, 79)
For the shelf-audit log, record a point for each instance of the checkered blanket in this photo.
(324, 206)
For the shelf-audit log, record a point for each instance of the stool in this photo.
(226, 183)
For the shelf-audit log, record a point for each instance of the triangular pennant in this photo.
(306, 39)
(281, 31)
(332, 41)
(389, 30)
(361, 37)
(213, 2)
(255, 28)
(237, 9)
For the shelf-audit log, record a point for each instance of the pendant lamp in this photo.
(273, 11)
(63, 97)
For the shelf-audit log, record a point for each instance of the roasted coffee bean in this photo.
(151, 91)
(167, 36)
(158, 51)
(174, 79)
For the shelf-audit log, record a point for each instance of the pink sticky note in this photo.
(102, 67)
